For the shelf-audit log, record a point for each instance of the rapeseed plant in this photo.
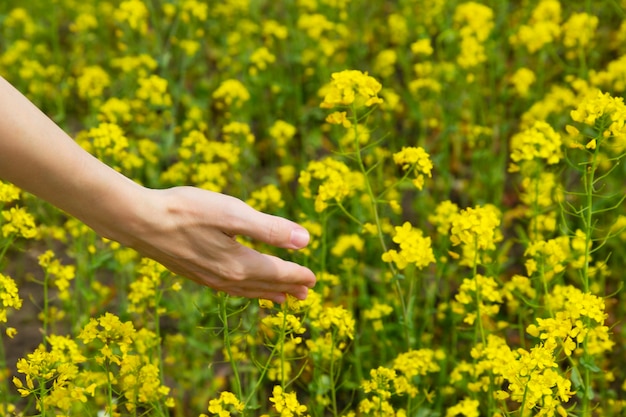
(447, 284)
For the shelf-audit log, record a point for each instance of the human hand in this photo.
(189, 230)
(192, 233)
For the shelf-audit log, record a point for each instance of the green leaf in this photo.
(576, 379)
(589, 363)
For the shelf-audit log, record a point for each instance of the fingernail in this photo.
(299, 238)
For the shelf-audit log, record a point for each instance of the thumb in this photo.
(273, 230)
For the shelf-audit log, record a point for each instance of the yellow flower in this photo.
(238, 130)
(336, 319)
(351, 87)
(272, 28)
(578, 33)
(522, 79)
(225, 405)
(287, 403)
(381, 382)
(607, 113)
(260, 59)
(417, 160)
(443, 215)
(376, 313)
(282, 133)
(153, 90)
(61, 275)
(479, 294)
(112, 333)
(475, 22)
(141, 65)
(266, 198)
(134, 13)
(18, 222)
(9, 297)
(115, 111)
(8, 192)
(540, 142)
(414, 248)
(542, 29)
(577, 317)
(339, 118)
(422, 47)
(329, 181)
(418, 362)
(57, 370)
(476, 227)
(231, 93)
(535, 381)
(385, 63)
(347, 242)
(467, 407)
(91, 82)
(140, 382)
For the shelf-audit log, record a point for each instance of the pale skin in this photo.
(188, 230)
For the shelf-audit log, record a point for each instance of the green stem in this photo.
(46, 308)
(227, 345)
(283, 337)
(7, 246)
(589, 181)
(589, 186)
(42, 395)
(157, 330)
(333, 389)
(109, 389)
(377, 221)
(479, 330)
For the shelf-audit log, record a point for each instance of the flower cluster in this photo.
(608, 114)
(480, 297)
(398, 380)
(351, 88)
(416, 160)
(9, 296)
(286, 403)
(538, 143)
(577, 317)
(415, 249)
(475, 22)
(542, 29)
(329, 181)
(226, 405)
(18, 222)
(476, 227)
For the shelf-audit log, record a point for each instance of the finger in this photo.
(246, 272)
(264, 291)
(262, 267)
(274, 230)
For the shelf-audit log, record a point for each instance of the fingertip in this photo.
(279, 298)
(302, 295)
(312, 279)
(299, 237)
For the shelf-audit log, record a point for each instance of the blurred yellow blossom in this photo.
(351, 87)
(417, 160)
(9, 297)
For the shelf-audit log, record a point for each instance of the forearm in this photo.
(39, 157)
